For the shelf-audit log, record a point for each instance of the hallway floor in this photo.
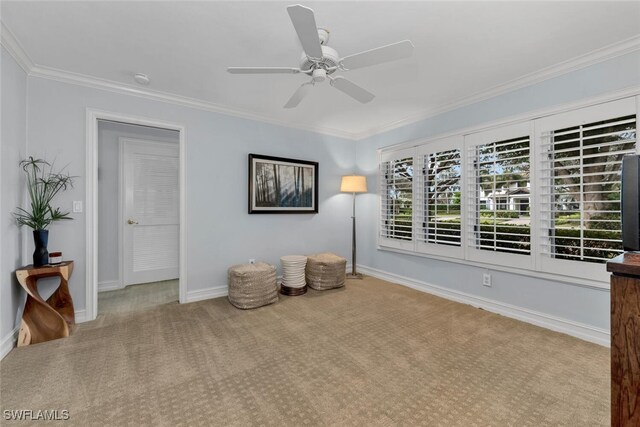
(138, 297)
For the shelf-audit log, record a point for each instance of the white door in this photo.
(151, 201)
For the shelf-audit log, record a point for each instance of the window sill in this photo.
(570, 280)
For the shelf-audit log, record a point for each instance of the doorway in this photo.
(135, 227)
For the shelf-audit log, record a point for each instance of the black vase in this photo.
(40, 255)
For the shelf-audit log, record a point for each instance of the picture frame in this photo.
(279, 185)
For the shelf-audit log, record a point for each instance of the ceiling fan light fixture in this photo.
(142, 79)
(319, 75)
(321, 61)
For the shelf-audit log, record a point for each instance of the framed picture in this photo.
(279, 185)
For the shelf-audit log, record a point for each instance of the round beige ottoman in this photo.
(252, 285)
(325, 271)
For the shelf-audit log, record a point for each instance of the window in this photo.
(396, 204)
(541, 195)
(439, 197)
(581, 219)
(580, 172)
(498, 195)
(442, 180)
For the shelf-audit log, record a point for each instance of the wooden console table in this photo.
(625, 339)
(45, 320)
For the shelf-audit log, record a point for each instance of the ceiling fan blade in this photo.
(298, 95)
(263, 70)
(352, 89)
(391, 52)
(305, 24)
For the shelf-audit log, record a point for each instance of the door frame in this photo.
(91, 197)
(122, 141)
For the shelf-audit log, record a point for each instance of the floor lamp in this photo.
(354, 184)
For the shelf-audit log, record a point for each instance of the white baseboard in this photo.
(9, 342)
(208, 293)
(81, 316)
(569, 327)
(109, 285)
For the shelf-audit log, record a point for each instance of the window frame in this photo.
(387, 157)
(572, 272)
(471, 141)
(542, 128)
(435, 146)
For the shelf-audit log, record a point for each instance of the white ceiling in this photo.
(461, 49)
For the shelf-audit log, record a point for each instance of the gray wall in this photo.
(220, 233)
(108, 191)
(13, 148)
(575, 303)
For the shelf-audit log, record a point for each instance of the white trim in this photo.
(530, 115)
(91, 260)
(570, 280)
(594, 57)
(15, 49)
(591, 58)
(569, 327)
(109, 285)
(117, 87)
(9, 342)
(81, 316)
(207, 293)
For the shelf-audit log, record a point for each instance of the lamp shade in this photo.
(354, 184)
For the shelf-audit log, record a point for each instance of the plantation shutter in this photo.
(438, 197)
(583, 165)
(396, 199)
(499, 196)
(581, 155)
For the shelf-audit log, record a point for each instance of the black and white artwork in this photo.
(279, 185)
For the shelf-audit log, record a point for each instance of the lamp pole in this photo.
(353, 184)
(353, 241)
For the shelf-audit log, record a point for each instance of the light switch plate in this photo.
(77, 206)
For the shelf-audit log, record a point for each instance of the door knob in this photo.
(132, 221)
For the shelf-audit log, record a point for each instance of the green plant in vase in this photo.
(43, 184)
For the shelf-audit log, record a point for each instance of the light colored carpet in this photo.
(372, 353)
(138, 297)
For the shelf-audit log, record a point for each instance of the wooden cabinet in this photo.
(625, 340)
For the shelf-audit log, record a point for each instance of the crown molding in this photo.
(122, 88)
(15, 49)
(594, 57)
(13, 46)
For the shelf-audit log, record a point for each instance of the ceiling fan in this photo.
(320, 61)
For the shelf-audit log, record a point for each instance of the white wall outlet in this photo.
(486, 279)
(252, 261)
(77, 206)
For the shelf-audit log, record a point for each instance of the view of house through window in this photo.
(536, 195)
(500, 196)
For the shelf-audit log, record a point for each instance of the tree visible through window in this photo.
(583, 166)
(397, 199)
(500, 197)
(442, 179)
